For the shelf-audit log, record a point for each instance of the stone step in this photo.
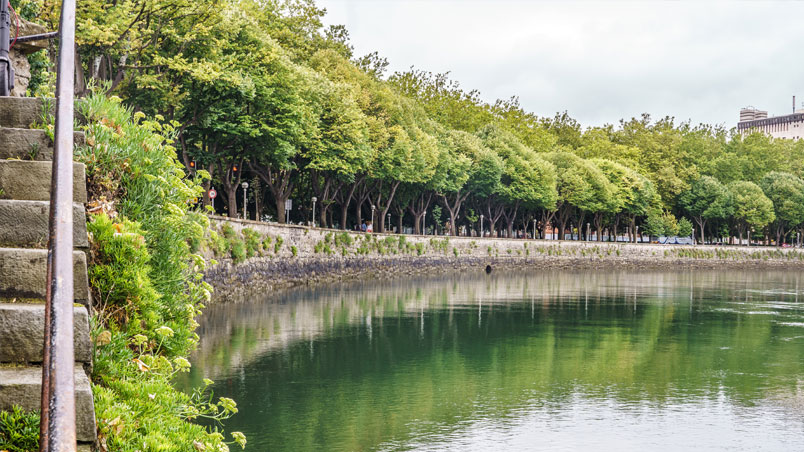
(23, 386)
(23, 275)
(23, 327)
(27, 180)
(21, 112)
(29, 144)
(24, 224)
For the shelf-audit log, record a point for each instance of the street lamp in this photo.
(424, 223)
(372, 217)
(245, 186)
(588, 232)
(534, 229)
(314, 200)
(388, 221)
(481, 225)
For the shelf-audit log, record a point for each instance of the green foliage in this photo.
(294, 250)
(684, 227)
(147, 286)
(217, 243)
(252, 242)
(19, 431)
(278, 244)
(120, 275)
(239, 252)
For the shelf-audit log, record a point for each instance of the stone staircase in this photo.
(25, 174)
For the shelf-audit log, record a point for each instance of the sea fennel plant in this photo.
(146, 283)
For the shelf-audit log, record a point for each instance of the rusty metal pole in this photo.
(58, 385)
(6, 69)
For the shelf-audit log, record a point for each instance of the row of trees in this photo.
(262, 92)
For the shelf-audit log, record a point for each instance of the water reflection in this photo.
(533, 361)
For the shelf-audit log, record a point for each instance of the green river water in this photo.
(543, 360)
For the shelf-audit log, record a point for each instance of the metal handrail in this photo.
(57, 427)
(6, 68)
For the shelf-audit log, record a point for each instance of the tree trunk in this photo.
(417, 210)
(454, 209)
(510, 218)
(344, 198)
(279, 183)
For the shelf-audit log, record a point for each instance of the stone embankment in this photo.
(289, 255)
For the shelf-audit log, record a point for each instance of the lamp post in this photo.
(588, 232)
(481, 225)
(314, 200)
(388, 220)
(424, 223)
(245, 199)
(6, 68)
(636, 235)
(373, 207)
(534, 229)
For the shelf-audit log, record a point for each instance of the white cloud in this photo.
(601, 61)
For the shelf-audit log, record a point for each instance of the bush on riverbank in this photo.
(146, 283)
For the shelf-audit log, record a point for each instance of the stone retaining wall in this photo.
(310, 255)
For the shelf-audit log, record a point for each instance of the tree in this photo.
(752, 209)
(705, 200)
(580, 185)
(684, 227)
(786, 192)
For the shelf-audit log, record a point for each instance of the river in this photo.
(552, 360)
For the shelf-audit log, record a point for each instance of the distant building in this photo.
(788, 126)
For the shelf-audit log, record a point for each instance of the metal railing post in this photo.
(6, 70)
(58, 385)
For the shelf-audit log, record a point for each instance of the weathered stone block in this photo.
(23, 386)
(29, 144)
(21, 112)
(23, 274)
(24, 224)
(23, 332)
(30, 180)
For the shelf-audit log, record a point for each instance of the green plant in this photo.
(33, 152)
(239, 252)
(278, 244)
(19, 431)
(227, 230)
(147, 284)
(294, 250)
(252, 241)
(218, 244)
(266, 243)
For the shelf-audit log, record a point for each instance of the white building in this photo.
(788, 126)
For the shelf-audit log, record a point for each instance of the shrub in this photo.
(294, 250)
(19, 431)
(218, 244)
(148, 284)
(278, 244)
(252, 239)
(238, 252)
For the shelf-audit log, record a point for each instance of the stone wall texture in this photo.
(312, 255)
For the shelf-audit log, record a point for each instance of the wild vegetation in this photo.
(145, 275)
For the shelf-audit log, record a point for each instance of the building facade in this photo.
(790, 126)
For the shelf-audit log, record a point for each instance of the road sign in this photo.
(212, 194)
(289, 204)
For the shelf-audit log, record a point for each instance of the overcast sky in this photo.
(600, 61)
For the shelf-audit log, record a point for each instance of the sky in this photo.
(599, 61)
